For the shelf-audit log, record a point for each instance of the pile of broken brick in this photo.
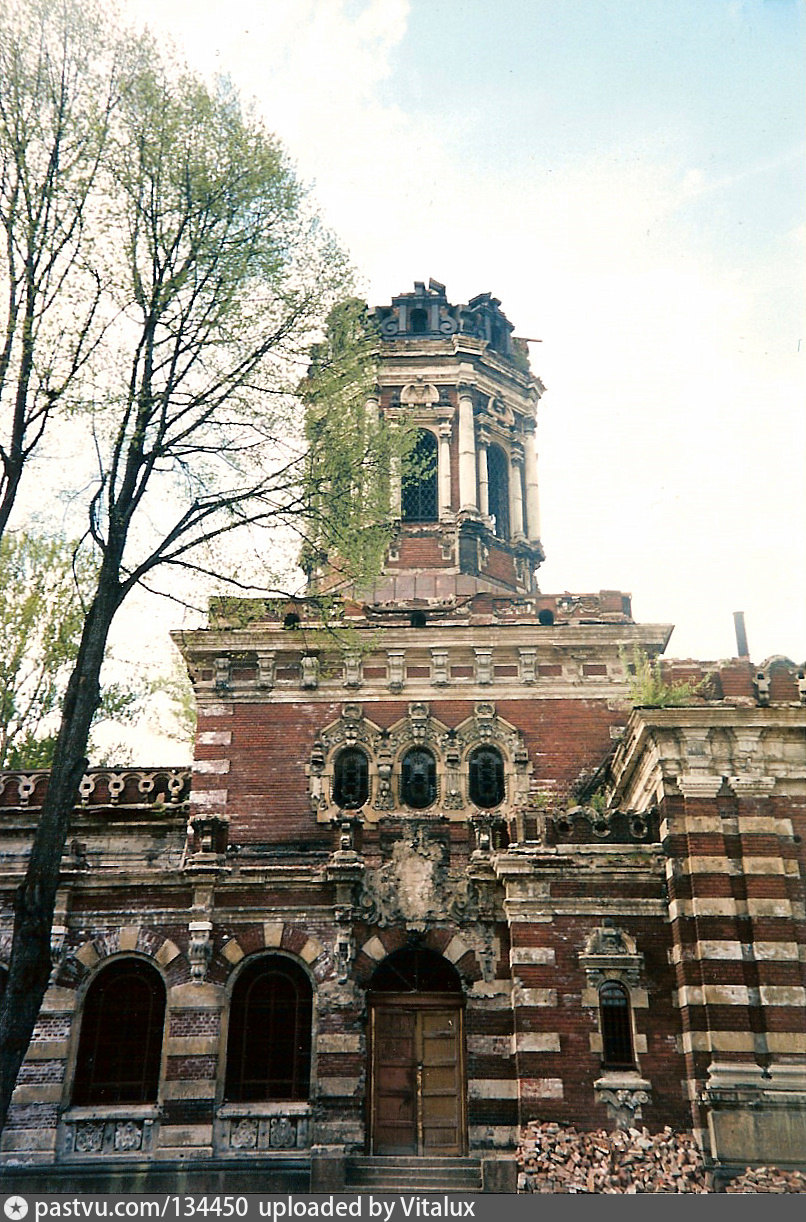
(559, 1158)
(768, 1179)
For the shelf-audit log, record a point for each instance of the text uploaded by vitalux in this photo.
(368, 1207)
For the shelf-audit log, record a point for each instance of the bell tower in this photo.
(466, 502)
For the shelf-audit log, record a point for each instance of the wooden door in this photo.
(417, 1077)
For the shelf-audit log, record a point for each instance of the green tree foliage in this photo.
(349, 453)
(42, 587)
(56, 101)
(648, 688)
(209, 277)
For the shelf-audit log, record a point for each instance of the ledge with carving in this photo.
(102, 788)
(109, 1131)
(264, 1127)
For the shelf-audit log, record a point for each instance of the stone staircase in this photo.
(375, 1173)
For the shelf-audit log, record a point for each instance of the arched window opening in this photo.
(419, 488)
(418, 321)
(120, 1045)
(351, 779)
(486, 777)
(418, 779)
(498, 489)
(614, 1008)
(269, 1042)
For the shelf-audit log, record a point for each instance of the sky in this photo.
(628, 177)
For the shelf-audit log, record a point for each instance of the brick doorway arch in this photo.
(418, 1084)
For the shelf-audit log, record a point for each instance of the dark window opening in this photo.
(498, 489)
(418, 322)
(415, 970)
(419, 491)
(351, 779)
(486, 777)
(418, 782)
(121, 1036)
(614, 1007)
(269, 1042)
(418, 619)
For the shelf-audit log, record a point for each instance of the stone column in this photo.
(445, 431)
(484, 487)
(515, 491)
(467, 452)
(532, 502)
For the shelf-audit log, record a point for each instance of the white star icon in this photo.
(15, 1208)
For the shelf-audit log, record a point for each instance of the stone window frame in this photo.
(246, 1127)
(611, 955)
(116, 1125)
(451, 748)
(422, 431)
(248, 964)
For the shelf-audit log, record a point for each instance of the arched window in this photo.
(419, 489)
(351, 779)
(120, 1045)
(486, 777)
(498, 489)
(614, 1008)
(269, 1042)
(418, 778)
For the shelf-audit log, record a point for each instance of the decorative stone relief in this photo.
(200, 948)
(128, 1135)
(385, 749)
(611, 954)
(89, 1138)
(266, 663)
(484, 666)
(352, 670)
(528, 660)
(439, 667)
(282, 1131)
(310, 671)
(624, 1096)
(243, 1134)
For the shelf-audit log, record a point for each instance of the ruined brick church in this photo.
(420, 889)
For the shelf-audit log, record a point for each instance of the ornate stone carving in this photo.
(282, 1133)
(200, 948)
(128, 1135)
(624, 1097)
(310, 670)
(89, 1138)
(243, 1134)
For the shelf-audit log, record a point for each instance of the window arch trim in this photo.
(265, 1077)
(109, 1048)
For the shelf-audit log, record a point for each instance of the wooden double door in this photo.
(417, 1075)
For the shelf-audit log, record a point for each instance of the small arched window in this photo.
(269, 1042)
(486, 769)
(419, 489)
(351, 779)
(418, 779)
(120, 1046)
(498, 489)
(616, 1021)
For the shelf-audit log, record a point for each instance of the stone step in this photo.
(406, 1173)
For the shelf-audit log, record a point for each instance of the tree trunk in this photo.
(31, 965)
